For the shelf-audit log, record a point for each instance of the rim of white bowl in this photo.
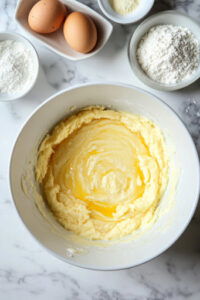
(139, 73)
(103, 268)
(27, 43)
(123, 19)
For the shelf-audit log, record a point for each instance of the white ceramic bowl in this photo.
(17, 37)
(140, 12)
(166, 17)
(118, 255)
(55, 41)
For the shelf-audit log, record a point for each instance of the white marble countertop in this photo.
(27, 271)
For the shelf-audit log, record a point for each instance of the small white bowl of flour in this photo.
(125, 11)
(19, 66)
(164, 51)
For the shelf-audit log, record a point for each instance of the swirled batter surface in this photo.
(103, 172)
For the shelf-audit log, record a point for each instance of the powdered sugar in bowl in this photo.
(164, 51)
(19, 66)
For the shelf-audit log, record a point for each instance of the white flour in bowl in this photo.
(16, 67)
(169, 54)
(124, 7)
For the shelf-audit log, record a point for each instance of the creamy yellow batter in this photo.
(103, 172)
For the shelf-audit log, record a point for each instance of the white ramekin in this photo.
(140, 12)
(17, 37)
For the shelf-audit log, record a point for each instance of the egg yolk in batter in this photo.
(103, 172)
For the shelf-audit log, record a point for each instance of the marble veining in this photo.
(27, 271)
(191, 112)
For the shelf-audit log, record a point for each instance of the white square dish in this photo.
(55, 41)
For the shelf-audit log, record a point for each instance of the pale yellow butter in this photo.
(124, 7)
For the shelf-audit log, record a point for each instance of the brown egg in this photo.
(80, 32)
(46, 16)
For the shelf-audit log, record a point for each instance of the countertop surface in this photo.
(27, 271)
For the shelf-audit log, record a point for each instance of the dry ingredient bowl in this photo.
(140, 12)
(17, 37)
(118, 255)
(166, 17)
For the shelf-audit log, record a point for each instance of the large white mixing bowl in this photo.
(144, 247)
